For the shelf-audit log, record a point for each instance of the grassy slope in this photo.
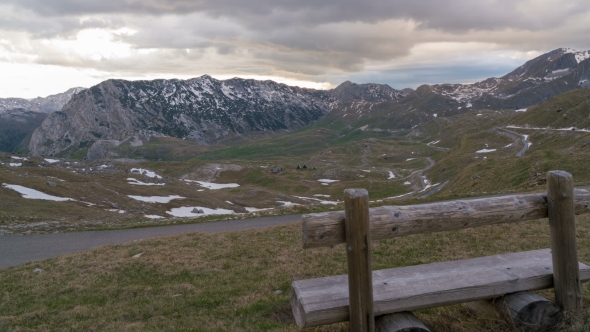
(359, 149)
(233, 281)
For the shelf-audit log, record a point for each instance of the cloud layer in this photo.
(402, 43)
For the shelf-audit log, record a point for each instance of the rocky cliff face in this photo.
(369, 92)
(203, 110)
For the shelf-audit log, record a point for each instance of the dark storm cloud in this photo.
(451, 15)
(316, 40)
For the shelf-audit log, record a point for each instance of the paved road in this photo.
(15, 250)
(524, 139)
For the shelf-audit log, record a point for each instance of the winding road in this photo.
(524, 139)
(20, 249)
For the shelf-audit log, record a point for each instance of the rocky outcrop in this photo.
(203, 110)
(370, 92)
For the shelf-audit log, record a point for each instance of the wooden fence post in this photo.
(358, 254)
(566, 272)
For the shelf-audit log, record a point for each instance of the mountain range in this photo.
(90, 122)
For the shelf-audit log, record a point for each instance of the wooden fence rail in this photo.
(327, 229)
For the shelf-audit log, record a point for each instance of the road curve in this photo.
(524, 139)
(20, 249)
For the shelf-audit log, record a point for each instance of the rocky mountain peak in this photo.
(370, 92)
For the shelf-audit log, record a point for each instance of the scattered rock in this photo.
(38, 270)
(24, 175)
(195, 210)
(51, 183)
(240, 209)
(278, 291)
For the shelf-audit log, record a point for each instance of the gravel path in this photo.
(20, 249)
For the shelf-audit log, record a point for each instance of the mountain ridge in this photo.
(203, 109)
(209, 111)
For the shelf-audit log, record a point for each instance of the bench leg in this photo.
(399, 322)
(527, 310)
(531, 312)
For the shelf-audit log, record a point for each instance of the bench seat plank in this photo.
(325, 300)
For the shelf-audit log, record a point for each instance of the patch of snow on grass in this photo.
(15, 164)
(365, 170)
(156, 199)
(34, 194)
(51, 161)
(391, 175)
(521, 110)
(321, 195)
(286, 203)
(327, 180)
(410, 159)
(187, 211)
(153, 216)
(434, 115)
(251, 209)
(318, 200)
(140, 183)
(145, 172)
(407, 183)
(399, 196)
(18, 158)
(116, 210)
(215, 186)
(428, 186)
(432, 143)
(485, 150)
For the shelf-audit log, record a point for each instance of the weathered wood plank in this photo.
(399, 322)
(325, 229)
(325, 300)
(562, 224)
(358, 255)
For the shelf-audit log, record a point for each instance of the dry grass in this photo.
(233, 281)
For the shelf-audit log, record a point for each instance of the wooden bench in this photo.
(363, 294)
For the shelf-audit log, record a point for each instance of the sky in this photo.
(49, 46)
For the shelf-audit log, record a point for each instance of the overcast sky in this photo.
(48, 46)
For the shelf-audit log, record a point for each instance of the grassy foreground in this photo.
(235, 281)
